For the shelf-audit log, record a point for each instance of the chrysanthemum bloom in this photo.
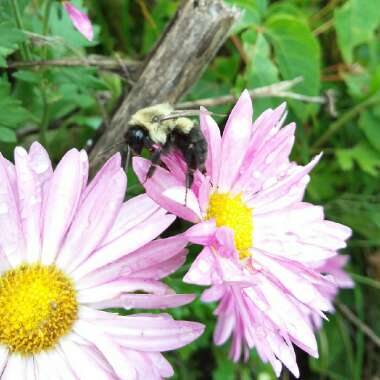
(80, 20)
(264, 248)
(69, 249)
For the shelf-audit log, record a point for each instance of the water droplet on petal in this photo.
(40, 166)
(127, 270)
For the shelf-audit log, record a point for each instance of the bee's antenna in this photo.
(184, 113)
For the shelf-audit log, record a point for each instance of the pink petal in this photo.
(334, 267)
(62, 201)
(202, 270)
(224, 328)
(144, 301)
(202, 233)
(163, 269)
(264, 127)
(133, 212)
(284, 192)
(283, 233)
(80, 20)
(40, 163)
(118, 287)
(53, 365)
(153, 332)
(147, 258)
(161, 364)
(93, 220)
(155, 187)
(236, 137)
(82, 362)
(112, 352)
(127, 243)
(12, 241)
(214, 141)
(266, 163)
(141, 362)
(15, 368)
(283, 312)
(112, 165)
(180, 195)
(175, 163)
(292, 279)
(30, 203)
(214, 293)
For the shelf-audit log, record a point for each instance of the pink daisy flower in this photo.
(265, 250)
(80, 20)
(69, 249)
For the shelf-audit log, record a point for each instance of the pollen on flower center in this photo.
(38, 306)
(231, 211)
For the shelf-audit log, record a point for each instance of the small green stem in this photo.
(366, 280)
(45, 28)
(44, 118)
(345, 118)
(25, 53)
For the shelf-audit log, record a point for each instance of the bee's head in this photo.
(136, 137)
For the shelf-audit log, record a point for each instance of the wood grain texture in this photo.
(187, 45)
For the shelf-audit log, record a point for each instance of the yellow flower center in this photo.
(230, 211)
(38, 306)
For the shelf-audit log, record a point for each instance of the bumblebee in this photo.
(161, 129)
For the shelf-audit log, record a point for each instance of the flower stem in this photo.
(44, 118)
(25, 53)
(345, 118)
(366, 280)
(45, 28)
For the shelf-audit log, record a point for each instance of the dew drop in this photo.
(127, 270)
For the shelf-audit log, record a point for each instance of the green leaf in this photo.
(345, 159)
(12, 113)
(252, 11)
(297, 53)
(224, 370)
(285, 9)
(10, 38)
(7, 135)
(260, 70)
(357, 84)
(370, 124)
(364, 155)
(33, 77)
(355, 23)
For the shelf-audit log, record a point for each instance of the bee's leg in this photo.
(188, 181)
(154, 161)
(125, 157)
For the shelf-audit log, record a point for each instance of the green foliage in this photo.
(356, 21)
(333, 45)
(10, 37)
(297, 54)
